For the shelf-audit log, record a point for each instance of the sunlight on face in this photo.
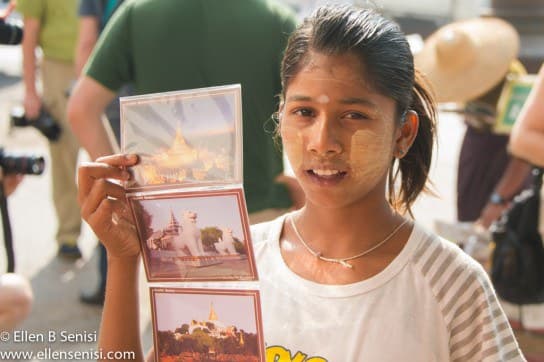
(336, 130)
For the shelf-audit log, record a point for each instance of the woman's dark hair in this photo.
(385, 55)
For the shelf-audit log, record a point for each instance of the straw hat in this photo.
(465, 59)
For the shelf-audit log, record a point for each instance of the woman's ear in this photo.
(406, 133)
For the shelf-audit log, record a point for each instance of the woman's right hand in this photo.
(104, 205)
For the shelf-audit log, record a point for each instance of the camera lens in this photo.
(10, 34)
(27, 165)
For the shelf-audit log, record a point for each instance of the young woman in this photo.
(347, 277)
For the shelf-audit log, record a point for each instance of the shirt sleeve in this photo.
(111, 63)
(31, 8)
(89, 8)
(477, 327)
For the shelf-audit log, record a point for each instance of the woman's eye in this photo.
(304, 112)
(355, 115)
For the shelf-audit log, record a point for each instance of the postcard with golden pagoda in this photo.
(213, 325)
(184, 138)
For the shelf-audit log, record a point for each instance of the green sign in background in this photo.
(517, 95)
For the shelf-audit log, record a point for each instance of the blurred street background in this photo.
(57, 283)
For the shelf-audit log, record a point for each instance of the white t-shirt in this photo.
(432, 303)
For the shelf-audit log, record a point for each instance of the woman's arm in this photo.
(104, 207)
(120, 327)
(527, 137)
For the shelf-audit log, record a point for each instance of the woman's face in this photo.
(339, 134)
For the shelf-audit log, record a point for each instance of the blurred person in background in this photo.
(93, 16)
(527, 139)
(15, 300)
(468, 62)
(179, 44)
(52, 26)
(15, 290)
(527, 142)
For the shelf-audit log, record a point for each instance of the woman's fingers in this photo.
(108, 167)
(101, 189)
(119, 160)
(103, 203)
(118, 234)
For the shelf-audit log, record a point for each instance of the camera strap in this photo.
(8, 240)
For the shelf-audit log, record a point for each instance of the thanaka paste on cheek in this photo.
(293, 145)
(369, 155)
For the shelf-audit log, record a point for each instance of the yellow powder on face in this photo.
(293, 145)
(370, 154)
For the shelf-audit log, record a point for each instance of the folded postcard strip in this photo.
(187, 200)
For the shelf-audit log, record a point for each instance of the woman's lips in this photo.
(326, 177)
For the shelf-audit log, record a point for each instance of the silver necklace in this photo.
(344, 261)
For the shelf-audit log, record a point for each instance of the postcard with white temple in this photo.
(194, 236)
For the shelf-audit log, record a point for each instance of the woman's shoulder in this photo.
(269, 230)
(453, 276)
(436, 254)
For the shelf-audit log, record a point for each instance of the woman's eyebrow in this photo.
(298, 98)
(350, 100)
(361, 101)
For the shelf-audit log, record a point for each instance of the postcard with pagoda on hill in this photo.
(212, 325)
(186, 192)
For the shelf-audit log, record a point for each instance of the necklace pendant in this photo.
(318, 255)
(345, 264)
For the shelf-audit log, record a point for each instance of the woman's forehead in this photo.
(339, 66)
(345, 71)
(342, 77)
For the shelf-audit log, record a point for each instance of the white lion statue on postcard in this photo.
(189, 236)
(225, 245)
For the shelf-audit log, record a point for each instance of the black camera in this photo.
(44, 123)
(27, 165)
(10, 33)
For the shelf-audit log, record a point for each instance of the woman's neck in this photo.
(345, 231)
(338, 234)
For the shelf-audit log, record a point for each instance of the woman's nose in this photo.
(324, 137)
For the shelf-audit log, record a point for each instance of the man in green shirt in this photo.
(52, 25)
(181, 44)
